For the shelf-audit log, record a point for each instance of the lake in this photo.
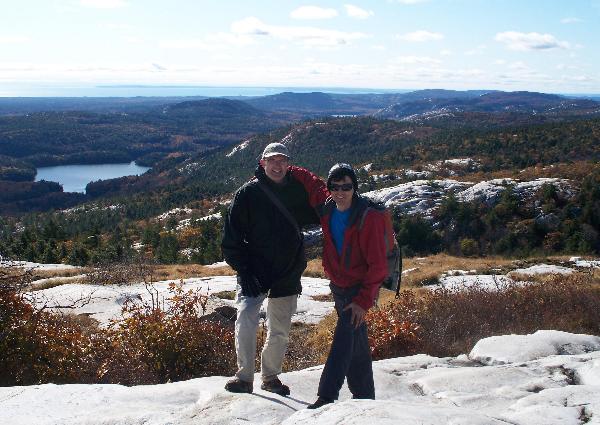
(74, 178)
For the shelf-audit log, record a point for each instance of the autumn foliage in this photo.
(445, 322)
(153, 343)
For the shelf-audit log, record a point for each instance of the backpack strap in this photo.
(280, 206)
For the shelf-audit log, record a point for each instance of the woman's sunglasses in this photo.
(346, 187)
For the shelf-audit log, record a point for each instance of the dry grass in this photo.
(225, 295)
(420, 271)
(48, 274)
(185, 271)
(450, 323)
(323, 297)
(52, 282)
(315, 269)
(315, 345)
(298, 357)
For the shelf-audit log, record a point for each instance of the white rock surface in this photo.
(104, 302)
(413, 390)
(522, 348)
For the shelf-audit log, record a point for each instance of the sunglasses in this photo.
(346, 187)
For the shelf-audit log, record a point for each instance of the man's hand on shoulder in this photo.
(314, 186)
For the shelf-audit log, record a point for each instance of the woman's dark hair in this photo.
(339, 171)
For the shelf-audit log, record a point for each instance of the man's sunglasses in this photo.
(346, 187)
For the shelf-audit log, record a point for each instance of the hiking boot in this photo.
(275, 386)
(236, 385)
(321, 401)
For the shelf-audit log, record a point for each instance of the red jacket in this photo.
(363, 260)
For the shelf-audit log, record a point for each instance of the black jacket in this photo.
(259, 240)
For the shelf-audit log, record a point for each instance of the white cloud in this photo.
(117, 27)
(579, 78)
(476, 51)
(13, 39)
(530, 41)
(420, 36)
(357, 12)
(446, 52)
(212, 42)
(309, 36)
(570, 20)
(134, 40)
(416, 60)
(562, 67)
(411, 1)
(308, 73)
(313, 12)
(250, 26)
(519, 66)
(103, 4)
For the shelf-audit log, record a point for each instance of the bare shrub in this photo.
(174, 342)
(121, 273)
(37, 346)
(448, 323)
(151, 344)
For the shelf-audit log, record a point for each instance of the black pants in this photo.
(350, 354)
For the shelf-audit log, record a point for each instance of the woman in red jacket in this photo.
(354, 259)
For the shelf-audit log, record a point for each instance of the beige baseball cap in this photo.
(273, 149)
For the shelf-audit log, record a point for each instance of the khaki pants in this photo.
(279, 319)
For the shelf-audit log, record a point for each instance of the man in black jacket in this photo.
(264, 246)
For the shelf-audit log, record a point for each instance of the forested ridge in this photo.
(107, 229)
(202, 150)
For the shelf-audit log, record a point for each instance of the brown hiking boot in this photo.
(236, 385)
(321, 401)
(275, 386)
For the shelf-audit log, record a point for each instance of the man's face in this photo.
(276, 167)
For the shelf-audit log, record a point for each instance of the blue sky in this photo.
(548, 46)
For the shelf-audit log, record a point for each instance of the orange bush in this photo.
(151, 344)
(38, 347)
(390, 336)
(175, 342)
(447, 323)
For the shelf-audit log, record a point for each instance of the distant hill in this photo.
(190, 144)
(324, 104)
(212, 108)
(388, 144)
(315, 101)
(53, 138)
(521, 102)
(27, 105)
